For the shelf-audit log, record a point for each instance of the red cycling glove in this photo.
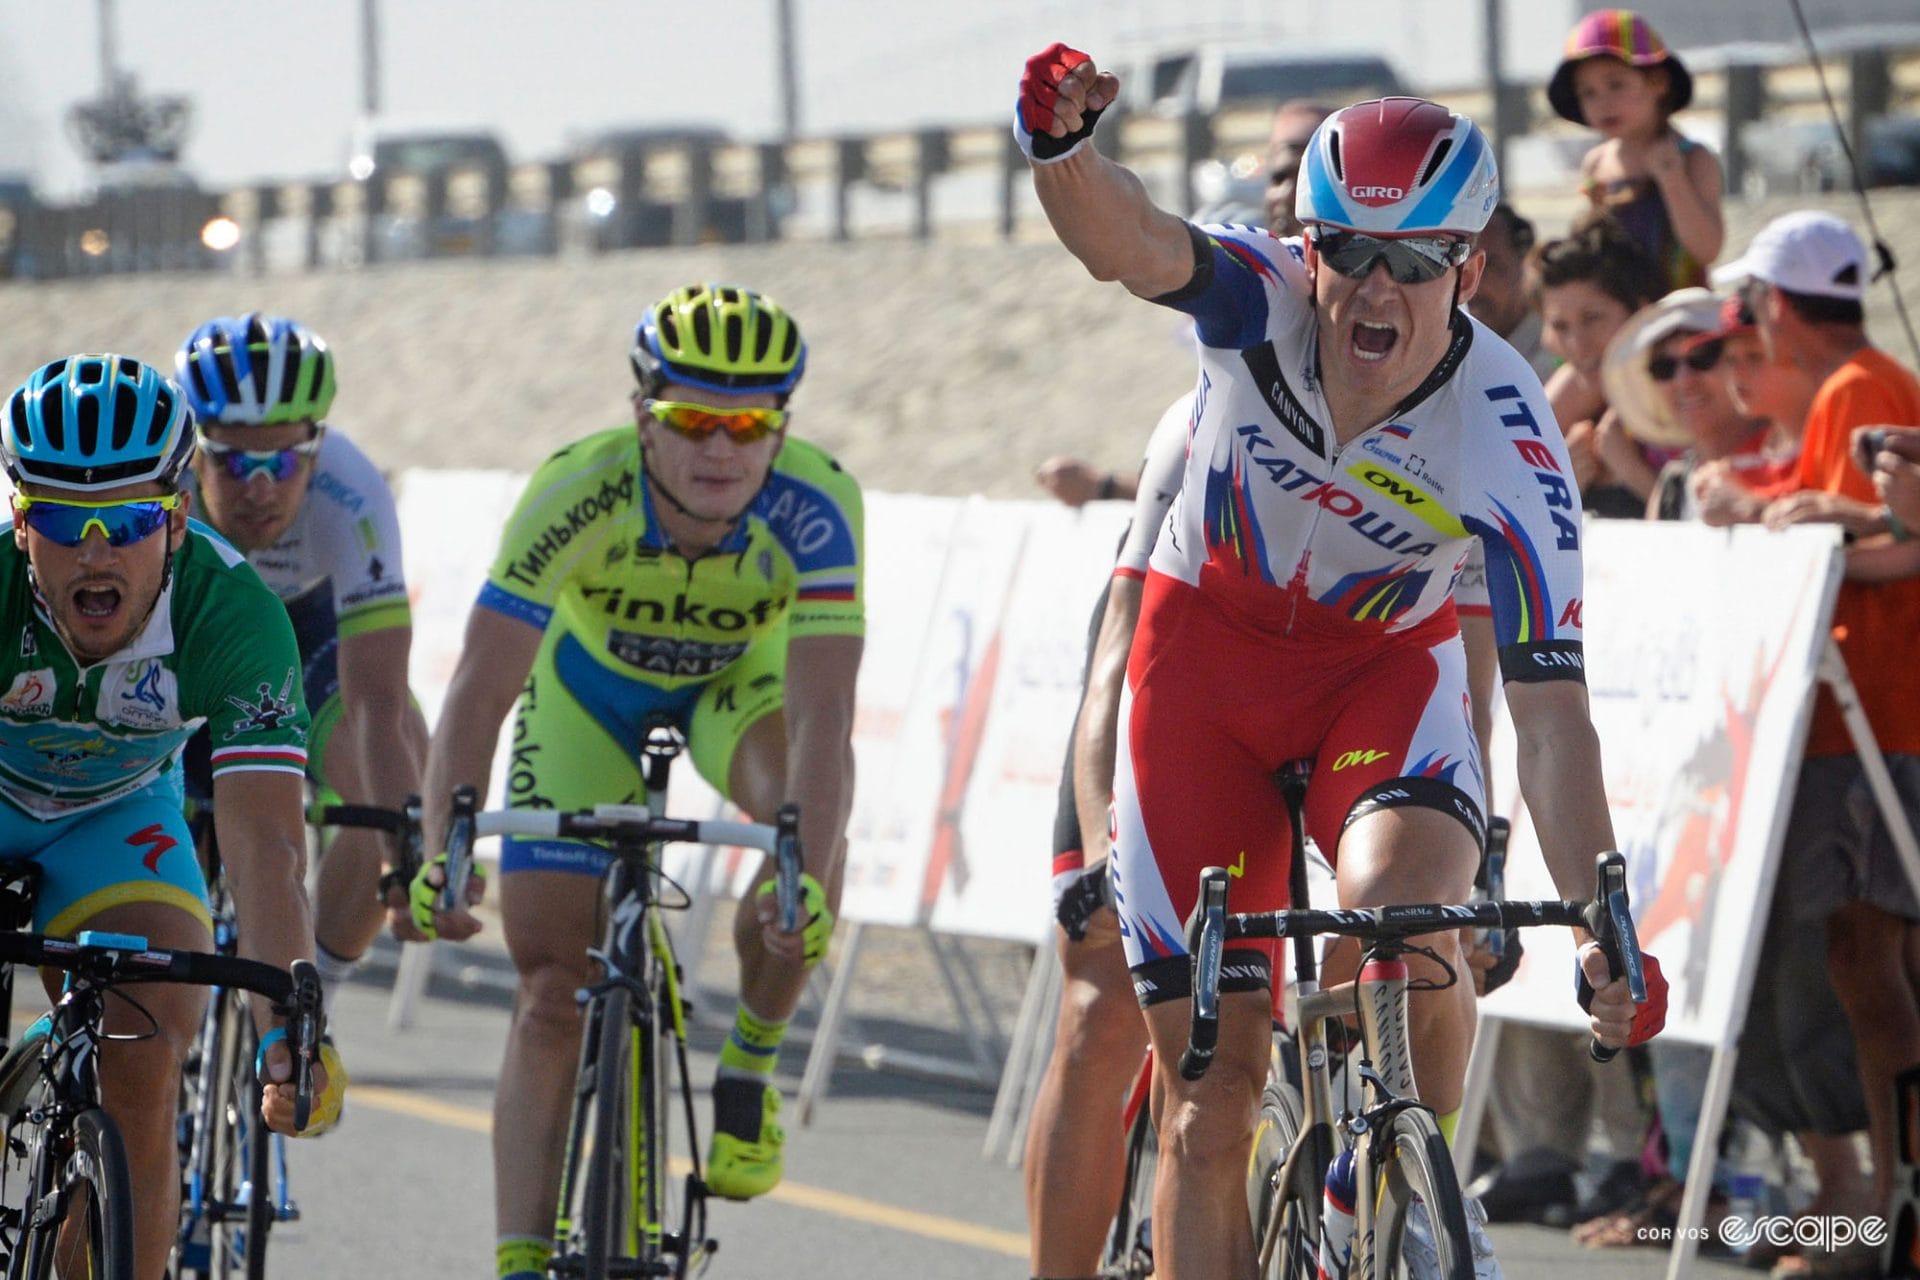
(1034, 113)
(1649, 1018)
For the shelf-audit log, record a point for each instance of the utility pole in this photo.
(1501, 122)
(108, 59)
(369, 58)
(789, 70)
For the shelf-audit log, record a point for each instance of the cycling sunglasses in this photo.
(245, 464)
(698, 421)
(68, 521)
(1700, 358)
(1409, 259)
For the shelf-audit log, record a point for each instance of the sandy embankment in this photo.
(949, 367)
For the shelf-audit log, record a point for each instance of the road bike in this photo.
(622, 1211)
(64, 1158)
(1402, 1166)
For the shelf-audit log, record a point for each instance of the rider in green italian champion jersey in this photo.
(124, 627)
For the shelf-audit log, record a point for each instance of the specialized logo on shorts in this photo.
(31, 694)
(158, 842)
(143, 694)
(1347, 759)
(269, 712)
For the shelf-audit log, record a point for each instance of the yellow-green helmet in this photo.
(719, 337)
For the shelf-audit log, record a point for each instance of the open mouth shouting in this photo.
(1373, 342)
(96, 602)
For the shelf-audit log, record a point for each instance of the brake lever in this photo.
(1206, 941)
(787, 864)
(305, 1025)
(1609, 919)
(466, 801)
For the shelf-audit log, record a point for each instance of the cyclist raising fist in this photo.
(1355, 433)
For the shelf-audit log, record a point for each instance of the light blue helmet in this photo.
(96, 422)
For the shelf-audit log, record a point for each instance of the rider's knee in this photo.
(546, 995)
(1100, 1023)
(1208, 1121)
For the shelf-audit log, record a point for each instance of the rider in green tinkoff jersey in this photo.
(127, 627)
(700, 564)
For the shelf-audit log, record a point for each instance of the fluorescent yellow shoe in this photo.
(738, 1169)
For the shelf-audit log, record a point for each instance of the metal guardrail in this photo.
(833, 188)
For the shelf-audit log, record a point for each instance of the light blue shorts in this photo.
(136, 849)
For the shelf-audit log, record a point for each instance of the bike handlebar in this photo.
(1211, 926)
(108, 959)
(616, 823)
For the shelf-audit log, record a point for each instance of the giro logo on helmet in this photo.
(1382, 194)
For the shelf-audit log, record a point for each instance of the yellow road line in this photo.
(819, 1199)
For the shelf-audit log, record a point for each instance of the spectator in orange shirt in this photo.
(1804, 276)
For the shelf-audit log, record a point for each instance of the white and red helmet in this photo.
(1398, 167)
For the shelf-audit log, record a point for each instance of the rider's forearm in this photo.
(461, 755)
(1101, 212)
(820, 781)
(381, 739)
(1097, 731)
(1561, 780)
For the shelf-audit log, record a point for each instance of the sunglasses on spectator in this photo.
(245, 464)
(1700, 359)
(67, 521)
(698, 421)
(1409, 259)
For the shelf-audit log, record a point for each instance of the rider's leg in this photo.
(548, 918)
(140, 1075)
(1412, 854)
(1201, 1227)
(347, 912)
(1076, 1147)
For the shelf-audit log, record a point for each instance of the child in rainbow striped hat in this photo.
(1617, 76)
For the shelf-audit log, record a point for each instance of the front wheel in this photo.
(605, 1214)
(1421, 1228)
(95, 1236)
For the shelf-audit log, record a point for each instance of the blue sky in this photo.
(277, 86)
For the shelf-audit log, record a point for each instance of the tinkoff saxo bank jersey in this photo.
(583, 554)
(218, 650)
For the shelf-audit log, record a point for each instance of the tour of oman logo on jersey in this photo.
(143, 694)
(267, 711)
(31, 694)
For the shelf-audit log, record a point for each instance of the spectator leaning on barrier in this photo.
(1804, 276)
(1590, 283)
(1765, 385)
(1664, 188)
(1075, 480)
(1662, 382)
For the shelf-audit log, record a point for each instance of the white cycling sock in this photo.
(334, 972)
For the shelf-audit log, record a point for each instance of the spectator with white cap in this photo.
(1805, 277)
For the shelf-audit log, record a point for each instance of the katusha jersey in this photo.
(583, 552)
(346, 539)
(1303, 535)
(218, 650)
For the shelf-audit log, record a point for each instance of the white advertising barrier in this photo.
(895, 858)
(991, 850)
(450, 524)
(1701, 651)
